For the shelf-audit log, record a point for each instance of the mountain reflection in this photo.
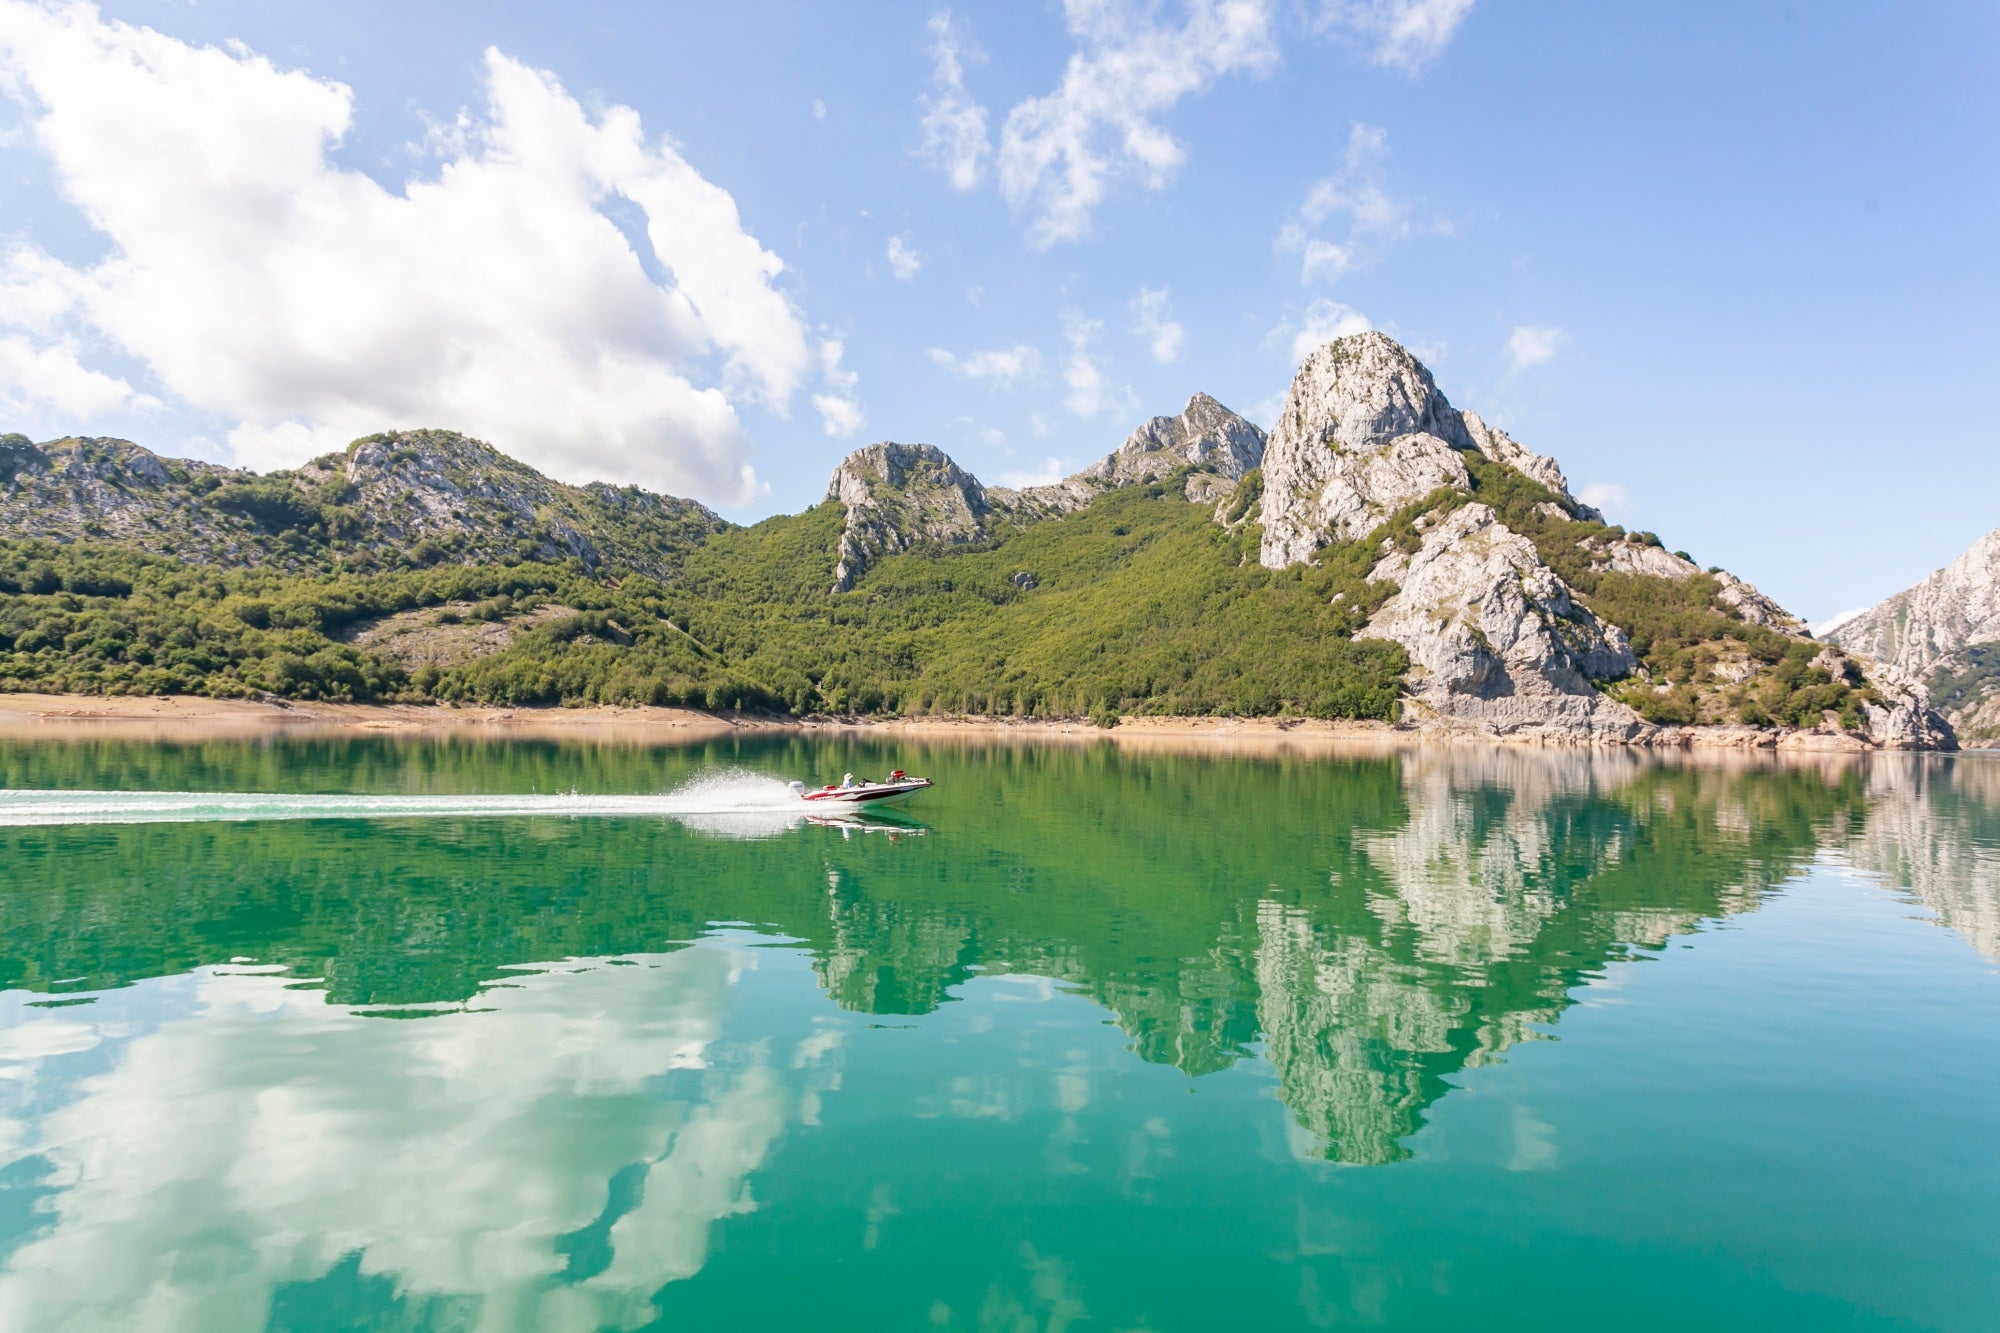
(1373, 928)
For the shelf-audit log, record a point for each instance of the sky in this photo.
(1734, 264)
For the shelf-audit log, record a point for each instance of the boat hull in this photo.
(867, 794)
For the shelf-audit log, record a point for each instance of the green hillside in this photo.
(1140, 603)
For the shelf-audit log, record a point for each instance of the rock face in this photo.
(1501, 448)
(1944, 633)
(1498, 640)
(897, 496)
(1956, 608)
(900, 496)
(1205, 435)
(1364, 431)
(398, 496)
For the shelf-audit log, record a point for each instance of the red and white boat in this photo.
(851, 794)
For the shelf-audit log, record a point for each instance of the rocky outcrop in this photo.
(1625, 556)
(1497, 445)
(1755, 607)
(399, 497)
(1364, 431)
(1205, 435)
(898, 496)
(1956, 608)
(1217, 443)
(1943, 635)
(1498, 641)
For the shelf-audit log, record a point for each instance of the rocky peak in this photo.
(1953, 609)
(899, 495)
(1364, 432)
(1205, 435)
(1363, 391)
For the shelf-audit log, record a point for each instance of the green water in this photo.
(1087, 1040)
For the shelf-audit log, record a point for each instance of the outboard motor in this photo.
(798, 788)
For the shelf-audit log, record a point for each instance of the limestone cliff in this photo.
(1944, 632)
(902, 496)
(898, 496)
(1497, 639)
(1502, 636)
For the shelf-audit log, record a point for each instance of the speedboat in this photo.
(852, 794)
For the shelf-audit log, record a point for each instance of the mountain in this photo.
(1382, 554)
(1944, 632)
(405, 497)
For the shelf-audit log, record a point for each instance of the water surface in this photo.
(425, 1034)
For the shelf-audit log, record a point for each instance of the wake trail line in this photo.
(729, 793)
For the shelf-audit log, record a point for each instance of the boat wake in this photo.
(731, 803)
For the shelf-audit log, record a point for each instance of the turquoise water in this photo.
(324, 1034)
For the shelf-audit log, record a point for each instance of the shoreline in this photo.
(193, 717)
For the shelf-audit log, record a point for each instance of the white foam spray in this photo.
(753, 798)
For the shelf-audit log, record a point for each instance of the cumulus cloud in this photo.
(1531, 345)
(1150, 321)
(1002, 368)
(1324, 321)
(955, 138)
(839, 414)
(1060, 153)
(39, 378)
(1049, 473)
(1834, 622)
(1356, 197)
(1405, 34)
(1089, 388)
(256, 280)
(1607, 496)
(904, 261)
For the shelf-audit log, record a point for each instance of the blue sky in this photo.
(1733, 264)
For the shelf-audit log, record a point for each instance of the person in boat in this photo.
(847, 782)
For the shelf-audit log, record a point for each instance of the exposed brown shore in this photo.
(182, 717)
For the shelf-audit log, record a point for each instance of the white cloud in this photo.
(1060, 153)
(1265, 413)
(1003, 367)
(1607, 496)
(1829, 625)
(955, 140)
(819, 109)
(1050, 472)
(841, 417)
(905, 261)
(839, 414)
(1355, 194)
(1150, 321)
(1531, 345)
(255, 279)
(1324, 321)
(1403, 33)
(37, 379)
(1081, 372)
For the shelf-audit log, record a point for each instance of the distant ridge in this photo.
(1380, 554)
